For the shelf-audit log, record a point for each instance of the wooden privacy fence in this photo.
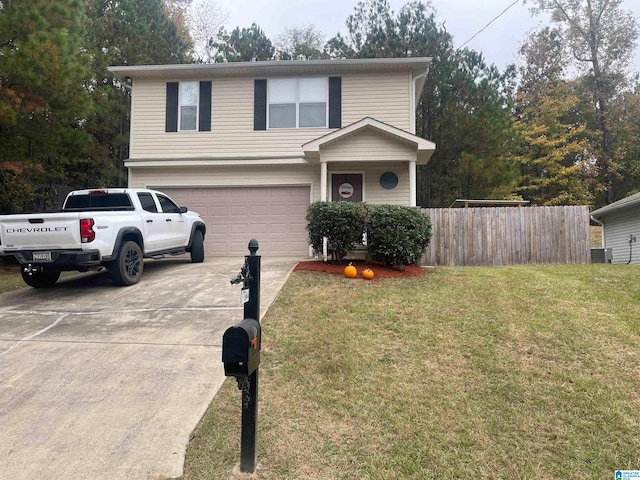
(508, 235)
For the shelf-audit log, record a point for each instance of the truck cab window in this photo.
(167, 205)
(147, 202)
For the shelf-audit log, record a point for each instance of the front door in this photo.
(346, 187)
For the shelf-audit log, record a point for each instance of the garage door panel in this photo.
(259, 211)
(279, 228)
(259, 228)
(279, 211)
(238, 210)
(234, 215)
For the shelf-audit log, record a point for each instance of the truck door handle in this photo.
(149, 221)
(168, 220)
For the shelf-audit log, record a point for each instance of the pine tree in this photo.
(601, 36)
(243, 45)
(43, 101)
(462, 108)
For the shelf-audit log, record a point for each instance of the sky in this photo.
(462, 18)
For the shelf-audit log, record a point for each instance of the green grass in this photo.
(10, 280)
(524, 372)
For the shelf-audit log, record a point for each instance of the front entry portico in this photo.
(367, 153)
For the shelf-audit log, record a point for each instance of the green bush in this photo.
(397, 235)
(342, 223)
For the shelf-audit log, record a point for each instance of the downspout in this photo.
(414, 100)
(323, 198)
(413, 187)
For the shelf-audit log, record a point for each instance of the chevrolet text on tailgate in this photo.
(108, 228)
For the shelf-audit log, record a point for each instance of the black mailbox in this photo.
(241, 348)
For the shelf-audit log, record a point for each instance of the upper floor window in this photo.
(298, 102)
(188, 106)
(188, 98)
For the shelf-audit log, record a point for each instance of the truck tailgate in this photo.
(44, 231)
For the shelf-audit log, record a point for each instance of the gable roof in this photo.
(424, 148)
(620, 204)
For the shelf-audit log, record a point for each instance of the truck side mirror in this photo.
(241, 348)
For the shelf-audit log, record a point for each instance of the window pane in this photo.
(282, 116)
(147, 202)
(313, 115)
(167, 205)
(189, 93)
(282, 90)
(188, 118)
(312, 90)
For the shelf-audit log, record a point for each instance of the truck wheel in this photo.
(127, 268)
(40, 279)
(197, 247)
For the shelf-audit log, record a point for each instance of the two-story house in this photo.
(250, 145)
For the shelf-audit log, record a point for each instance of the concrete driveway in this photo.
(104, 382)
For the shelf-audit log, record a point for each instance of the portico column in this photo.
(323, 181)
(412, 183)
(323, 198)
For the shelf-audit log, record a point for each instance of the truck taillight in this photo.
(86, 230)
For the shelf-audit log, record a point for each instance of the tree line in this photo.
(560, 127)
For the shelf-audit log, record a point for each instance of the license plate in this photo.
(42, 256)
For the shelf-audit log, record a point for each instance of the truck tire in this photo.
(197, 247)
(40, 279)
(127, 268)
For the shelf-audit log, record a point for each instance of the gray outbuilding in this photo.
(620, 228)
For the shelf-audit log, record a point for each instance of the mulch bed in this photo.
(379, 270)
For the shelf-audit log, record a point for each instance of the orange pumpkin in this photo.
(350, 271)
(367, 273)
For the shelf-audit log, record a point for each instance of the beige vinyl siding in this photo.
(381, 96)
(373, 192)
(384, 96)
(231, 134)
(618, 226)
(218, 176)
(368, 145)
(277, 175)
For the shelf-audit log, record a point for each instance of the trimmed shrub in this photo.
(342, 223)
(397, 235)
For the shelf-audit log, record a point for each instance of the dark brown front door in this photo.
(346, 187)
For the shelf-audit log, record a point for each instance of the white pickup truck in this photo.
(114, 228)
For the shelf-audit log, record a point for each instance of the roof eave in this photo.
(417, 65)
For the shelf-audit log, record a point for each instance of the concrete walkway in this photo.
(103, 382)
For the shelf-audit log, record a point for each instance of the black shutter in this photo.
(260, 105)
(335, 102)
(171, 120)
(205, 107)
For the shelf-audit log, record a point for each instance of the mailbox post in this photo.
(241, 346)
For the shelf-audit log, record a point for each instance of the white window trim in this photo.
(197, 128)
(326, 112)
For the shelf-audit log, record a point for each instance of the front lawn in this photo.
(528, 372)
(10, 278)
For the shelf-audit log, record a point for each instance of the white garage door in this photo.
(275, 216)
